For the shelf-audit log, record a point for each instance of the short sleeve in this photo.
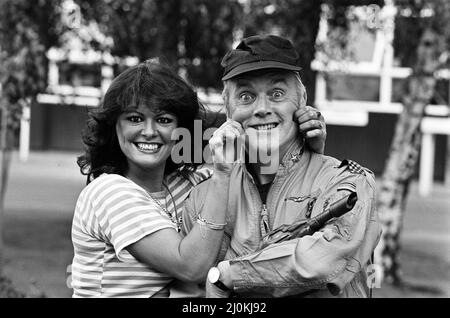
(189, 216)
(126, 214)
(200, 175)
(194, 202)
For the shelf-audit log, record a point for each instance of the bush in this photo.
(7, 290)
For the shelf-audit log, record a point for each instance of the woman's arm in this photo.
(189, 258)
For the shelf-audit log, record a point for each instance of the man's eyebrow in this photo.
(243, 82)
(275, 79)
(279, 79)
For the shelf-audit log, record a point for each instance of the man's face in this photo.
(264, 103)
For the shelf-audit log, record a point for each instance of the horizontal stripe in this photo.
(83, 274)
(129, 274)
(111, 213)
(123, 281)
(85, 256)
(139, 235)
(137, 215)
(81, 267)
(91, 245)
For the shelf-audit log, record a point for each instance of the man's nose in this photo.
(149, 129)
(262, 107)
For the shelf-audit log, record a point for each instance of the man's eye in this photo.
(164, 120)
(246, 97)
(134, 119)
(278, 93)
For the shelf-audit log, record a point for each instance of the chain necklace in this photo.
(177, 221)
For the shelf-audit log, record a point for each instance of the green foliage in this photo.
(297, 20)
(27, 30)
(411, 20)
(193, 35)
(7, 290)
(137, 27)
(208, 35)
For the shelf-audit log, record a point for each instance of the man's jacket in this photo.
(332, 262)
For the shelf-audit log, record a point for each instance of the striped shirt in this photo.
(111, 213)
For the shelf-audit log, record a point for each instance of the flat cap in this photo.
(260, 52)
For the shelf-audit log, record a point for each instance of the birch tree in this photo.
(27, 30)
(405, 147)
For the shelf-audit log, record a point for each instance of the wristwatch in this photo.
(214, 278)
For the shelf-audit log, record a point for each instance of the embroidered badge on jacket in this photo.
(352, 166)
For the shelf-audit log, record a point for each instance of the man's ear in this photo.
(303, 98)
(227, 106)
(227, 111)
(301, 92)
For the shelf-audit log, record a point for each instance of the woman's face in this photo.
(145, 138)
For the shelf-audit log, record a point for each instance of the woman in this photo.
(126, 221)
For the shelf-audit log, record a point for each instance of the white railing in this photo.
(430, 127)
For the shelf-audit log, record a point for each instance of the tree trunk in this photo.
(3, 161)
(6, 144)
(403, 156)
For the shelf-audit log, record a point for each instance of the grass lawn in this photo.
(38, 251)
(39, 205)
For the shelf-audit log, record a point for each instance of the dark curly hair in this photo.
(147, 83)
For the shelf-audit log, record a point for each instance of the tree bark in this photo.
(3, 161)
(403, 156)
(6, 144)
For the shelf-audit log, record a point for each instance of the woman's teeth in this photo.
(147, 147)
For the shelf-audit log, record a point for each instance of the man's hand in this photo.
(312, 126)
(226, 145)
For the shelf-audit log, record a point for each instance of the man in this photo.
(262, 93)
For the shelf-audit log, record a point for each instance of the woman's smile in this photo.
(146, 147)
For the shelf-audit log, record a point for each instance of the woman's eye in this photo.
(246, 97)
(277, 94)
(164, 120)
(134, 119)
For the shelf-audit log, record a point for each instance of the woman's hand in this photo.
(312, 126)
(213, 291)
(226, 146)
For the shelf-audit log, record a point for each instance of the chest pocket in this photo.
(345, 225)
(300, 207)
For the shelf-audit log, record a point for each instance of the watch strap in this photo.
(221, 285)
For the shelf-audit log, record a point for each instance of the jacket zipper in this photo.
(264, 220)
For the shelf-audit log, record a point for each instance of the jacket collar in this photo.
(290, 158)
(293, 154)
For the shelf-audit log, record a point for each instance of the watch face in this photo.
(213, 275)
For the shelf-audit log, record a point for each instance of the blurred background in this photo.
(378, 71)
